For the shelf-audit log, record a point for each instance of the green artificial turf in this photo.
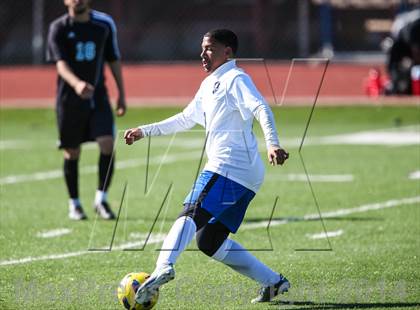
(374, 262)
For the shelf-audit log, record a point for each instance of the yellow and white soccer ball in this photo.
(128, 288)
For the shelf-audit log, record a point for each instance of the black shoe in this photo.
(76, 213)
(104, 211)
(267, 293)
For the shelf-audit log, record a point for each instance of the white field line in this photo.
(415, 175)
(294, 177)
(406, 135)
(342, 212)
(152, 240)
(323, 235)
(374, 138)
(132, 163)
(20, 144)
(409, 135)
(400, 136)
(159, 237)
(53, 233)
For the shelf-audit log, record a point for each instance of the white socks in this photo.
(100, 196)
(74, 202)
(241, 260)
(178, 238)
(230, 253)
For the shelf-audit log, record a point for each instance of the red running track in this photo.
(163, 84)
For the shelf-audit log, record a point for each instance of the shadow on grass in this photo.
(309, 305)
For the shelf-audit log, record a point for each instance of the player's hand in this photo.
(121, 106)
(84, 89)
(133, 134)
(277, 155)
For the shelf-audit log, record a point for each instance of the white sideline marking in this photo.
(53, 233)
(323, 235)
(153, 239)
(13, 144)
(312, 177)
(414, 175)
(409, 135)
(156, 238)
(19, 144)
(363, 208)
(400, 136)
(406, 135)
(55, 174)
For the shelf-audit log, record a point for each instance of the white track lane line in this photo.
(159, 237)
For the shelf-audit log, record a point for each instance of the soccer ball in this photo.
(128, 288)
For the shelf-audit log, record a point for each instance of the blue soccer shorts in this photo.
(226, 200)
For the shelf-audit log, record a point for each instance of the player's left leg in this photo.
(232, 254)
(105, 172)
(212, 240)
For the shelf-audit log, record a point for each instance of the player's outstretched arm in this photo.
(277, 155)
(173, 124)
(133, 134)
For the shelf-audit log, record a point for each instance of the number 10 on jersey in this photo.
(85, 51)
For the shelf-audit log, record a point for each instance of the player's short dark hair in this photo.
(224, 36)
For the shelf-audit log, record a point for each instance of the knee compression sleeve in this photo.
(211, 237)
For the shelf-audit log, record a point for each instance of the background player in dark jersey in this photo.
(404, 52)
(80, 42)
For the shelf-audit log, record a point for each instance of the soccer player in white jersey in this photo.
(225, 104)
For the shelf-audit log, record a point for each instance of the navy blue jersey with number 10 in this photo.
(85, 46)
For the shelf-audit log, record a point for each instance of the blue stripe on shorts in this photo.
(223, 198)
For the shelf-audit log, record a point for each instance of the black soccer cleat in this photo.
(104, 211)
(267, 293)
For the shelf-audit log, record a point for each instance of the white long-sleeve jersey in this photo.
(225, 105)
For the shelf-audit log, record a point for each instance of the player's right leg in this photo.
(191, 219)
(105, 172)
(180, 235)
(71, 177)
(72, 116)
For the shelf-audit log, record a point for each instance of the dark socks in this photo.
(71, 175)
(106, 169)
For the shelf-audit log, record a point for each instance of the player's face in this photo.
(213, 54)
(77, 6)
